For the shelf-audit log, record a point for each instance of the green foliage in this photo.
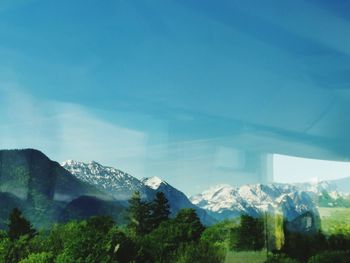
(182, 239)
(275, 232)
(201, 252)
(5, 244)
(17, 249)
(94, 240)
(19, 226)
(42, 257)
(189, 225)
(302, 246)
(163, 242)
(335, 220)
(139, 215)
(221, 234)
(250, 234)
(160, 210)
(331, 257)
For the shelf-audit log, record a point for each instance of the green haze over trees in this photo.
(251, 233)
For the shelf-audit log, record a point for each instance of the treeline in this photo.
(149, 236)
(284, 246)
(315, 247)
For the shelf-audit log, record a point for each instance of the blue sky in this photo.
(172, 88)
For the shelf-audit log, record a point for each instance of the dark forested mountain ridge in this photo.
(39, 186)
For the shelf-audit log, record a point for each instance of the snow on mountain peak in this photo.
(117, 182)
(153, 182)
(225, 201)
(122, 185)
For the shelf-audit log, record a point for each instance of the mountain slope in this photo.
(30, 175)
(122, 185)
(41, 188)
(87, 206)
(176, 198)
(118, 184)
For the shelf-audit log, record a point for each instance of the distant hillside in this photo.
(7, 203)
(87, 206)
(38, 186)
(30, 175)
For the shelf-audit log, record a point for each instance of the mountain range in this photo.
(121, 186)
(225, 202)
(216, 204)
(116, 183)
(48, 192)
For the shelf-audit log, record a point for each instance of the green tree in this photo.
(251, 233)
(17, 249)
(160, 210)
(87, 241)
(220, 234)
(120, 247)
(189, 225)
(42, 257)
(139, 213)
(5, 244)
(302, 246)
(19, 225)
(163, 242)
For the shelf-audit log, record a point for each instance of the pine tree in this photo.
(160, 209)
(189, 226)
(250, 233)
(139, 215)
(19, 225)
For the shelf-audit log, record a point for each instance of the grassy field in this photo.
(335, 220)
(245, 257)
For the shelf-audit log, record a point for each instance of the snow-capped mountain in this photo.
(325, 193)
(117, 183)
(122, 185)
(317, 187)
(176, 198)
(225, 201)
